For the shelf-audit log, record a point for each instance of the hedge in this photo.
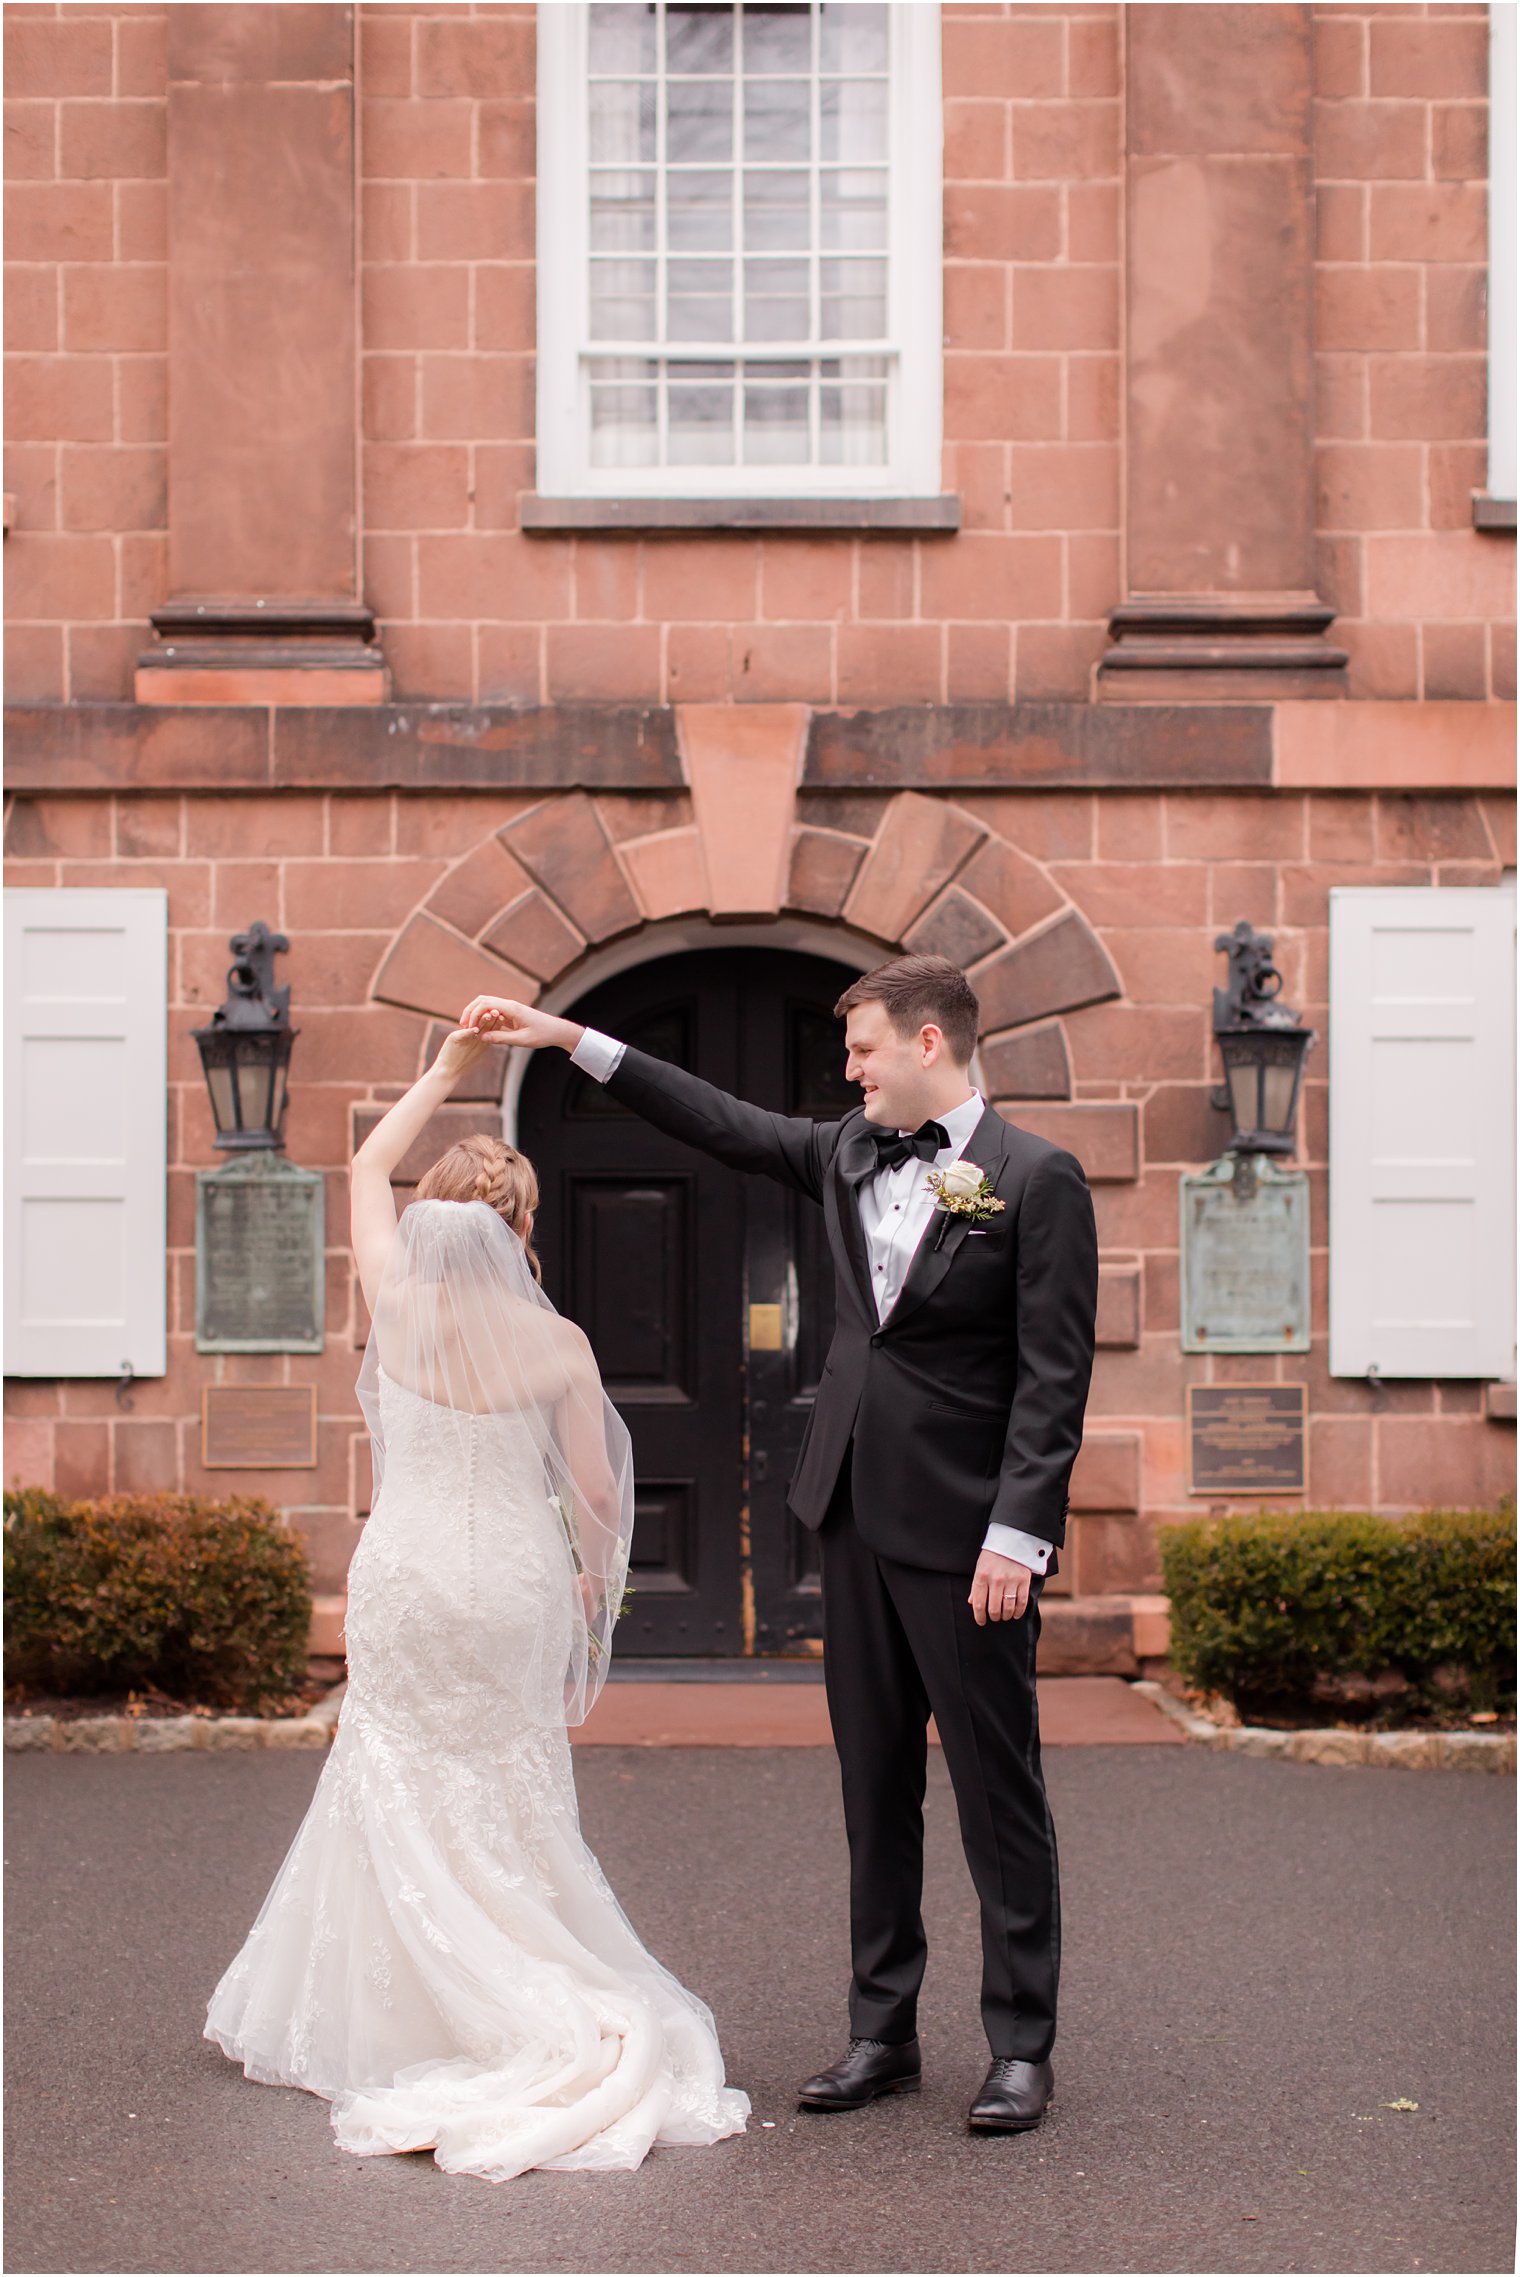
(1275, 1610)
(206, 1602)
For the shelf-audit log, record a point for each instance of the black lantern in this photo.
(1262, 1045)
(246, 1049)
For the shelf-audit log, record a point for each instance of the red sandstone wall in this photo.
(1156, 877)
(85, 118)
(1427, 605)
(473, 611)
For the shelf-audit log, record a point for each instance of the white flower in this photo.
(960, 1179)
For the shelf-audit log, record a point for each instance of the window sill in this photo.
(933, 516)
(1492, 513)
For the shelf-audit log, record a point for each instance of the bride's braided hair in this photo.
(485, 1169)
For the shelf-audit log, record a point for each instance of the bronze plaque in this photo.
(259, 1427)
(259, 1242)
(1244, 1262)
(1246, 1438)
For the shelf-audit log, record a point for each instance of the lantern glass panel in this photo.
(1243, 1094)
(1277, 1087)
(223, 1097)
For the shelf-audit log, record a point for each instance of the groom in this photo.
(934, 1470)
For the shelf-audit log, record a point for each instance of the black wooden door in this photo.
(708, 1296)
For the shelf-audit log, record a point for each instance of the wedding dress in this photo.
(440, 1953)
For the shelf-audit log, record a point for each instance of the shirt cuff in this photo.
(1027, 1548)
(597, 1055)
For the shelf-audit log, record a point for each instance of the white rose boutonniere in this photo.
(962, 1190)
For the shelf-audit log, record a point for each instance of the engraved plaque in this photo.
(1245, 1261)
(765, 1328)
(259, 1234)
(259, 1427)
(1246, 1438)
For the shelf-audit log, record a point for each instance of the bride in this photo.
(440, 1954)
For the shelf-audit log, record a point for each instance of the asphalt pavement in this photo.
(1260, 1959)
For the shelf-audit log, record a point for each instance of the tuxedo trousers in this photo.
(901, 1643)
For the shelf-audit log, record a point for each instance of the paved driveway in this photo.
(1260, 1957)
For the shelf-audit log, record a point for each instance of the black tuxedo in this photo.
(963, 1406)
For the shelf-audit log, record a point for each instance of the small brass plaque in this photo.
(1246, 1438)
(259, 1427)
(765, 1328)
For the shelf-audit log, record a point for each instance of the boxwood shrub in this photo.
(207, 1602)
(1278, 1610)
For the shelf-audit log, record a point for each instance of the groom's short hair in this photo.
(916, 990)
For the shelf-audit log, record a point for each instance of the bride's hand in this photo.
(512, 1023)
(460, 1050)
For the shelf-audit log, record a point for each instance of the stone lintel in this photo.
(1042, 747)
(1437, 746)
(743, 762)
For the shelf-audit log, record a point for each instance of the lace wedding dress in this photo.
(441, 1954)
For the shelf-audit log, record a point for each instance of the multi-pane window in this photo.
(739, 269)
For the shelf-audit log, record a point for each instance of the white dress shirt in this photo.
(896, 1211)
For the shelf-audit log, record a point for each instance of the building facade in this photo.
(653, 509)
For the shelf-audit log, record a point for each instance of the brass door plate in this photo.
(765, 1328)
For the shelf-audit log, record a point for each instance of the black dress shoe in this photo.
(1013, 2098)
(867, 2068)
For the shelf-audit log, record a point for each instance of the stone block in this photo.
(166, 1735)
(743, 767)
(921, 844)
(326, 1634)
(1330, 1746)
(565, 847)
(1255, 1739)
(94, 1735)
(534, 935)
(487, 881)
(956, 927)
(1106, 1476)
(1151, 1619)
(1034, 1064)
(25, 1735)
(1084, 1636)
(1406, 1750)
(668, 873)
(294, 1732)
(430, 968)
(823, 868)
(1057, 970)
(1011, 886)
(1104, 1135)
(459, 1120)
(1475, 1751)
(1119, 1307)
(229, 1732)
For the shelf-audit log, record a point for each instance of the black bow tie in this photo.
(893, 1147)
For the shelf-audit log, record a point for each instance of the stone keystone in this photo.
(743, 762)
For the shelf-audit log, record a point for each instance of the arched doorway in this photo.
(708, 1296)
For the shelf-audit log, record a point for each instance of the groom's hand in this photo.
(521, 1024)
(999, 1588)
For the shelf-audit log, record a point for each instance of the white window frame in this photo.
(915, 309)
(1503, 250)
(122, 1152)
(1365, 1164)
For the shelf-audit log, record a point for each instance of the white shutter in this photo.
(86, 1102)
(1422, 1131)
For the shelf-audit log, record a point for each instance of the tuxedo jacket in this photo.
(965, 1404)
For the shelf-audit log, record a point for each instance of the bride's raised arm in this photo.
(372, 1206)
